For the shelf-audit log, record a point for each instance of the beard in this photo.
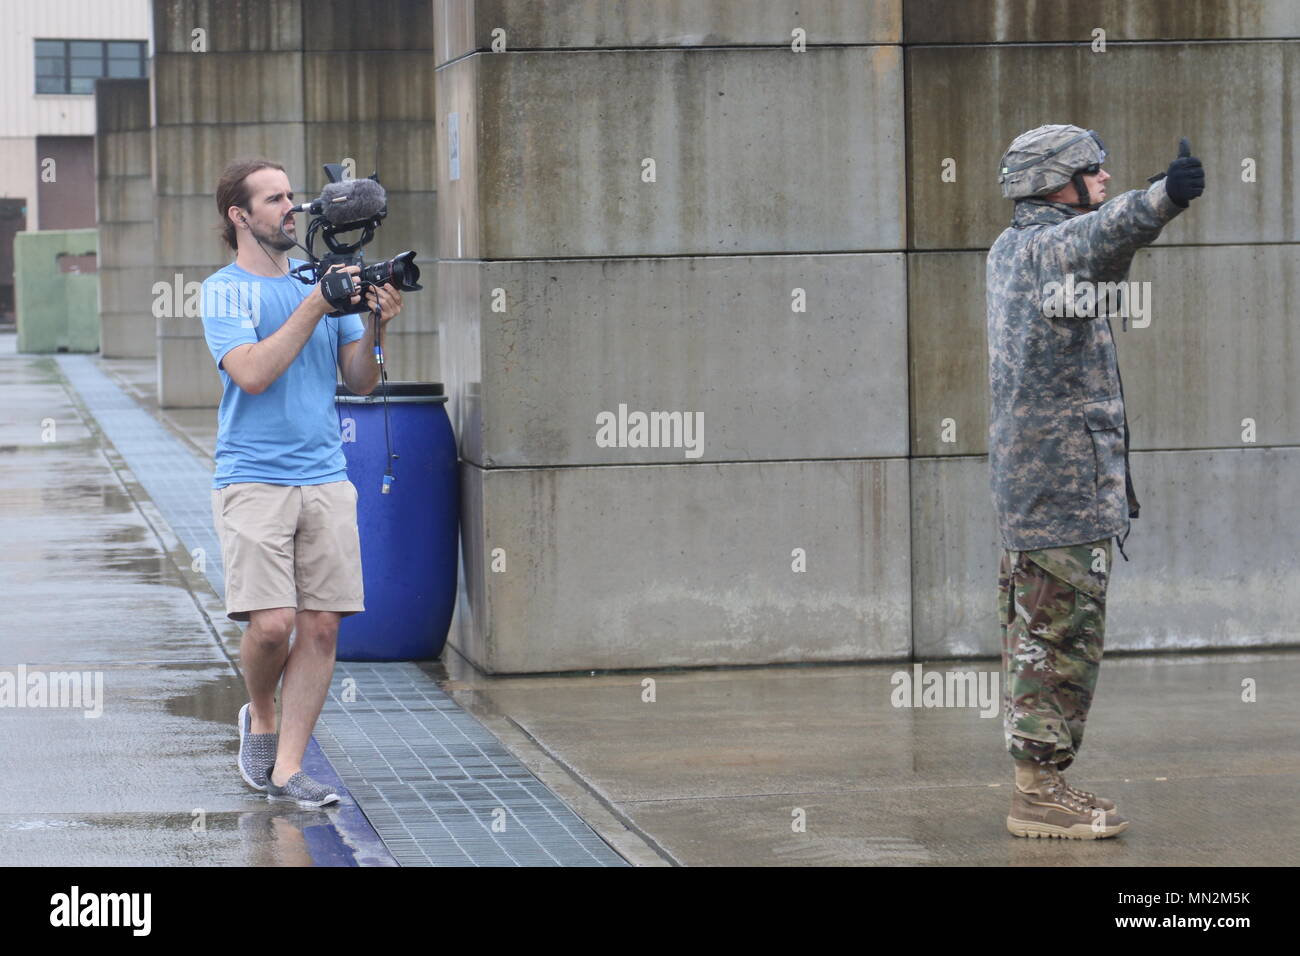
(275, 240)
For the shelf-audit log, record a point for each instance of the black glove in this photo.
(1185, 178)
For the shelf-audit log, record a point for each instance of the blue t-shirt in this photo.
(289, 434)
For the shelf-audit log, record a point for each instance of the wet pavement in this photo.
(715, 769)
(775, 766)
(129, 756)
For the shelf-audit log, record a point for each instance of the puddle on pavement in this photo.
(275, 836)
(280, 835)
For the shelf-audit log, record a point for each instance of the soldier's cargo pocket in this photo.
(1105, 421)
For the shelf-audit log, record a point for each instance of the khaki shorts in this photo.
(289, 546)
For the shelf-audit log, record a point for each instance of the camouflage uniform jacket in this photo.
(1058, 434)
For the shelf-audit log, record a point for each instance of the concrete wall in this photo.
(664, 207)
(123, 172)
(800, 274)
(757, 282)
(303, 84)
(1219, 348)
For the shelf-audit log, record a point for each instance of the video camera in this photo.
(348, 205)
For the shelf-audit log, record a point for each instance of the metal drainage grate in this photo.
(439, 787)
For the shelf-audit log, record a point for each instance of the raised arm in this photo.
(1100, 246)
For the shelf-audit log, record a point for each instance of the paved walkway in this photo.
(106, 535)
(719, 769)
(135, 766)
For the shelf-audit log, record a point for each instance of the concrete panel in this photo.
(948, 351)
(402, 152)
(125, 214)
(121, 104)
(188, 233)
(214, 88)
(126, 244)
(1221, 347)
(1028, 21)
(709, 579)
(261, 25)
(472, 618)
(377, 25)
(126, 154)
(1218, 348)
(419, 313)
(1213, 557)
(457, 305)
(126, 198)
(412, 356)
(190, 158)
(954, 559)
(127, 335)
(461, 26)
(131, 290)
(730, 177)
(178, 325)
(1070, 86)
(716, 338)
(409, 225)
(456, 96)
(187, 376)
(382, 86)
(1214, 553)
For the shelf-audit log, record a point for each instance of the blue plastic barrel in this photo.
(409, 537)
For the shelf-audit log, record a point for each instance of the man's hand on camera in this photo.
(389, 301)
(338, 303)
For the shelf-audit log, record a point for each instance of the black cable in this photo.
(334, 328)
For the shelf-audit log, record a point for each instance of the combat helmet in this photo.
(1043, 160)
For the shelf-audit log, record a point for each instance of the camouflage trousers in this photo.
(1052, 607)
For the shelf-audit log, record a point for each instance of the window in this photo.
(72, 66)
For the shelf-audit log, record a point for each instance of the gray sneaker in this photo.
(302, 790)
(256, 751)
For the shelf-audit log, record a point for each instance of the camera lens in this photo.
(405, 273)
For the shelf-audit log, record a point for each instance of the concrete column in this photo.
(240, 96)
(123, 171)
(655, 208)
(368, 88)
(303, 84)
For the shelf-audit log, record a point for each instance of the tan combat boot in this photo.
(1042, 806)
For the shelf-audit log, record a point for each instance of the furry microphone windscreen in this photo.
(353, 200)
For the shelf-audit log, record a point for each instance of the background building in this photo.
(51, 53)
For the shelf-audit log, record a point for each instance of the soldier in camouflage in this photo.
(1058, 448)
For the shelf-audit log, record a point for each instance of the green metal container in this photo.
(56, 301)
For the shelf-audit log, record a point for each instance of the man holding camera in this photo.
(282, 504)
(1058, 449)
